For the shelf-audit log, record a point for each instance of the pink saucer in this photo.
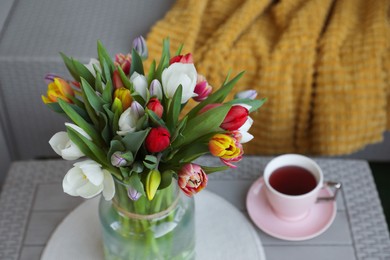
(317, 221)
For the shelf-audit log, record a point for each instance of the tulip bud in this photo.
(155, 105)
(235, 118)
(123, 94)
(140, 47)
(116, 80)
(153, 180)
(182, 59)
(251, 94)
(117, 160)
(157, 140)
(202, 89)
(192, 179)
(155, 89)
(124, 61)
(120, 159)
(133, 193)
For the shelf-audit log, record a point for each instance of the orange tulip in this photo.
(59, 88)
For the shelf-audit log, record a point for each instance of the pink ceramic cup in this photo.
(293, 207)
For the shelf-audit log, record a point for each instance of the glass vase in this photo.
(163, 228)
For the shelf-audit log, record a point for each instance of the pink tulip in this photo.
(192, 179)
(202, 88)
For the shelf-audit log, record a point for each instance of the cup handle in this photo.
(336, 186)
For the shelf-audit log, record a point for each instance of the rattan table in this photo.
(32, 204)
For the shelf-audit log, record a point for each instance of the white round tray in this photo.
(222, 232)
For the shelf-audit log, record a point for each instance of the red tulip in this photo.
(192, 179)
(155, 105)
(157, 140)
(117, 81)
(235, 118)
(182, 59)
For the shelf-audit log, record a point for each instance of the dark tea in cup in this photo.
(292, 180)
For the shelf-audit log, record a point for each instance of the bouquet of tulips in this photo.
(129, 124)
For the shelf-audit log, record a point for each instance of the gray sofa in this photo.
(32, 32)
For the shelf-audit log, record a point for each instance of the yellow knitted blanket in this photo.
(323, 65)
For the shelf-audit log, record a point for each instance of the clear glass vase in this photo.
(163, 228)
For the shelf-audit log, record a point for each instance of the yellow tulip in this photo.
(227, 148)
(59, 88)
(123, 94)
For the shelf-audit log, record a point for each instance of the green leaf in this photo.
(174, 109)
(136, 63)
(209, 170)
(115, 145)
(84, 72)
(166, 179)
(78, 120)
(151, 73)
(95, 101)
(98, 82)
(154, 118)
(164, 62)
(205, 123)
(75, 137)
(137, 97)
(179, 50)
(125, 80)
(106, 132)
(136, 183)
(57, 108)
(142, 123)
(165, 57)
(106, 72)
(133, 141)
(190, 152)
(97, 151)
(255, 104)
(150, 162)
(218, 96)
(70, 66)
(105, 58)
(107, 92)
(179, 128)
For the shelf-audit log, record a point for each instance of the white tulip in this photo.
(87, 179)
(64, 147)
(129, 118)
(91, 68)
(246, 137)
(179, 74)
(140, 84)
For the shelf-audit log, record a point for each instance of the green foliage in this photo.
(136, 63)
(205, 123)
